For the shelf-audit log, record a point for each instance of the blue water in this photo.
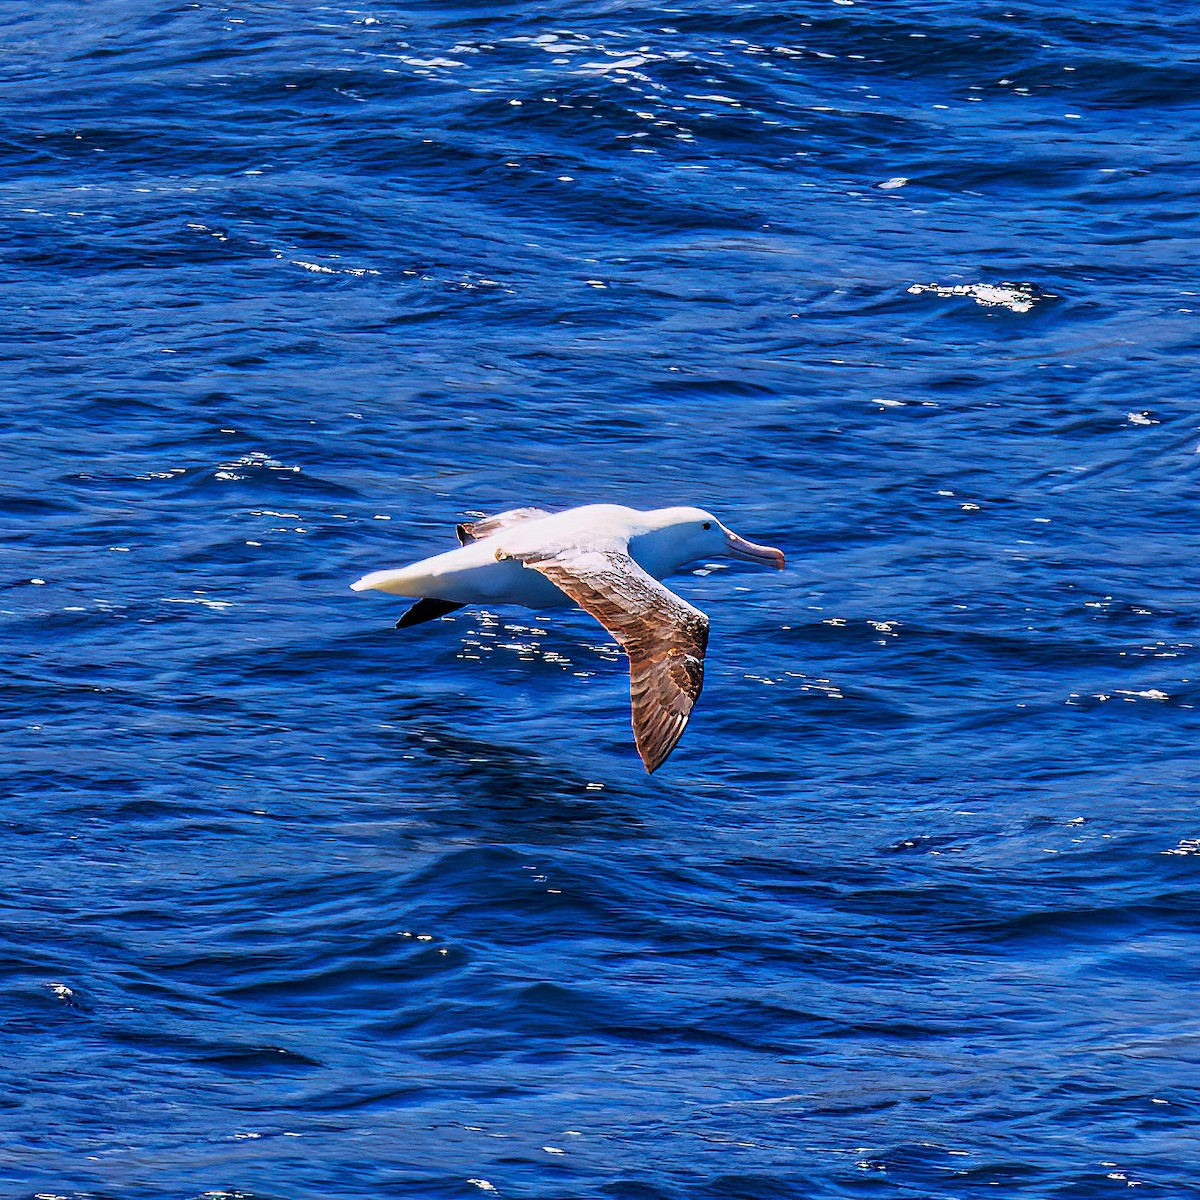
(300, 907)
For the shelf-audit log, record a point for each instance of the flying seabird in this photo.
(608, 559)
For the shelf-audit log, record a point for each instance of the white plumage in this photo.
(608, 559)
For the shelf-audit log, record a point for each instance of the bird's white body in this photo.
(468, 575)
(608, 559)
(472, 574)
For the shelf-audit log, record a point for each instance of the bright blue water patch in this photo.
(300, 907)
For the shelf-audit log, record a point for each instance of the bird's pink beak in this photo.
(740, 548)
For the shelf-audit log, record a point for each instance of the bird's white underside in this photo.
(488, 571)
(609, 560)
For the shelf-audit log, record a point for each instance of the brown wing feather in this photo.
(664, 637)
(473, 531)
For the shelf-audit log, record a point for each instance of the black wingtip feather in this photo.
(426, 610)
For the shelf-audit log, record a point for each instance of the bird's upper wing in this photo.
(473, 531)
(664, 636)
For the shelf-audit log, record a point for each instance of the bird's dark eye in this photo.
(707, 524)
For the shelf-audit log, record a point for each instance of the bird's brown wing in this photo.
(664, 637)
(473, 531)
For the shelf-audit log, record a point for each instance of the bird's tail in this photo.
(403, 581)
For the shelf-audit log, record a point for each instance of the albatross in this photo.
(607, 559)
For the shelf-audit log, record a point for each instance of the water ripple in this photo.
(301, 905)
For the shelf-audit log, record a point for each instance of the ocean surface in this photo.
(297, 906)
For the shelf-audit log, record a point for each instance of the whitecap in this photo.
(1016, 297)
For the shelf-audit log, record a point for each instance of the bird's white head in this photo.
(675, 536)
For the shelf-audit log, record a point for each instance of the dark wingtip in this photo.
(653, 756)
(651, 763)
(426, 610)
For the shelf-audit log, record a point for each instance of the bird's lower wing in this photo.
(427, 610)
(474, 531)
(664, 637)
